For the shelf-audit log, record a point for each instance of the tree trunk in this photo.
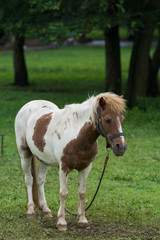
(139, 66)
(20, 70)
(153, 73)
(113, 62)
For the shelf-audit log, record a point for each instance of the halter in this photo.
(100, 129)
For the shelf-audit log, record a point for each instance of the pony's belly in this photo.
(48, 161)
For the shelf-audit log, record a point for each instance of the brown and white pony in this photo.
(66, 138)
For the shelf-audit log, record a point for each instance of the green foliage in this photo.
(142, 12)
(30, 17)
(83, 16)
(127, 205)
(97, 34)
(41, 6)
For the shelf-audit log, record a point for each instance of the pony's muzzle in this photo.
(119, 149)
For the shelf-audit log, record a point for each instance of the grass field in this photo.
(128, 204)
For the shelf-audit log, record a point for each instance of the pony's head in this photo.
(110, 120)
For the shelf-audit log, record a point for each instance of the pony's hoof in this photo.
(31, 215)
(62, 227)
(83, 225)
(47, 215)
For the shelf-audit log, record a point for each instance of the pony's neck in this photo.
(84, 117)
(87, 110)
(87, 135)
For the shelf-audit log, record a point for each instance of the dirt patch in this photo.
(98, 230)
(20, 227)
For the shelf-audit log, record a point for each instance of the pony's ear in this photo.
(102, 103)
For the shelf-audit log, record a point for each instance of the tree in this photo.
(23, 18)
(112, 15)
(107, 15)
(20, 70)
(144, 15)
(82, 16)
(154, 64)
(13, 21)
(113, 60)
(139, 65)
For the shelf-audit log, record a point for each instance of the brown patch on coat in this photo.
(75, 114)
(40, 130)
(65, 125)
(80, 152)
(25, 149)
(67, 122)
(58, 134)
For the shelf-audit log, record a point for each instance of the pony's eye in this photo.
(108, 121)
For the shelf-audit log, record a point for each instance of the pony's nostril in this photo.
(118, 145)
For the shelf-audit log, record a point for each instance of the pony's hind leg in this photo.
(62, 224)
(26, 166)
(41, 175)
(82, 179)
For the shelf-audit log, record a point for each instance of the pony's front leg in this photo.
(82, 180)
(62, 224)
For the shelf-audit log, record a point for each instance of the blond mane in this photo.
(114, 102)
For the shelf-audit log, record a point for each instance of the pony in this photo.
(66, 138)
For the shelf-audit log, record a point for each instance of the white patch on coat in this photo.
(120, 129)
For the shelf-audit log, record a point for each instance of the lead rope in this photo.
(105, 164)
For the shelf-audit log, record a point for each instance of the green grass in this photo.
(127, 205)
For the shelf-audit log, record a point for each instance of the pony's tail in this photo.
(35, 186)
